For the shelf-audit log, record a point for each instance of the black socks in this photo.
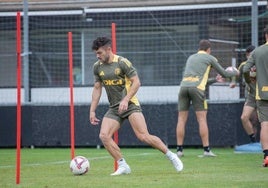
(206, 148)
(252, 137)
(179, 148)
(265, 153)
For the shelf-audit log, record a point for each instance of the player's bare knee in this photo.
(103, 137)
(244, 118)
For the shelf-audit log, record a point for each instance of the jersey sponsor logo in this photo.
(113, 82)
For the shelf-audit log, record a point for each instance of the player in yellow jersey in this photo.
(121, 82)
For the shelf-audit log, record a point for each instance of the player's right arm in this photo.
(96, 94)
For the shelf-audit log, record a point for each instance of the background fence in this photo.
(157, 40)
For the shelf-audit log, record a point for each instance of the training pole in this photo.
(114, 51)
(70, 51)
(18, 97)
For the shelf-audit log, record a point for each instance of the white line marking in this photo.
(63, 162)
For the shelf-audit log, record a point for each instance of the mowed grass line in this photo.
(49, 168)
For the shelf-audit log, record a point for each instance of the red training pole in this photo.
(70, 50)
(18, 97)
(114, 51)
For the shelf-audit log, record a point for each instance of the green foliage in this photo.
(49, 168)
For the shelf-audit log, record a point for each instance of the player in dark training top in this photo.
(192, 91)
(249, 115)
(121, 82)
(259, 59)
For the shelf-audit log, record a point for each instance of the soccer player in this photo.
(259, 58)
(249, 109)
(121, 82)
(192, 91)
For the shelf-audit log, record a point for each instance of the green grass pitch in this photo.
(49, 168)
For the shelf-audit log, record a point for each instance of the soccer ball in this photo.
(232, 69)
(79, 165)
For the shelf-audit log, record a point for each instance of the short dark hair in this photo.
(250, 48)
(204, 45)
(265, 30)
(100, 42)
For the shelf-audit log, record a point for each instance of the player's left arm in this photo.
(226, 74)
(133, 78)
(135, 85)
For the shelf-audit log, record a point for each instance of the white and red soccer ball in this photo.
(232, 69)
(79, 165)
(252, 72)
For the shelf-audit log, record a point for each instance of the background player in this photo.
(259, 58)
(249, 115)
(192, 91)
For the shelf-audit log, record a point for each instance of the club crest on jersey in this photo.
(117, 71)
